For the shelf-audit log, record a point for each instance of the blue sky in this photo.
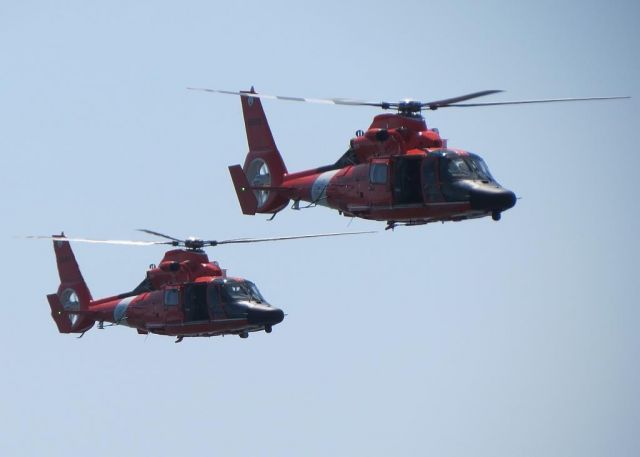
(510, 338)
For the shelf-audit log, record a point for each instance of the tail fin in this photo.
(263, 166)
(73, 293)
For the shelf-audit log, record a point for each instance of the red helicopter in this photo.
(186, 295)
(397, 171)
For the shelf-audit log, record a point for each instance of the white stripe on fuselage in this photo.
(319, 187)
(119, 313)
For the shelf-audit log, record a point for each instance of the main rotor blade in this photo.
(242, 94)
(161, 235)
(87, 240)
(448, 101)
(280, 238)
(324, 101)
(522, 102)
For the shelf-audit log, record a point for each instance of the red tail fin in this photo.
(73, 293)
(263, 166)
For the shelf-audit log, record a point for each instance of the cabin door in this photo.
(407, 187)
(431, 180)
(195, 303)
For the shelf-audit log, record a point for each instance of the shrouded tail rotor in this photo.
(259, 175)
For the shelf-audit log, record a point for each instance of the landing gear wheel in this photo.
(268, 329)
(496, 215)
(244, 335)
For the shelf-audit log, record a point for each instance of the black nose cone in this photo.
(265, 315)
(491, 198)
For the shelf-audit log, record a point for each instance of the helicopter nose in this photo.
(491, 198)
(265, 315)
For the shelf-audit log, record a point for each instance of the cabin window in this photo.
(378, 173)
(171, 297)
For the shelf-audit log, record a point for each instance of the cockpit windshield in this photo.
(479, 167)
(457, 168)
(242, 291)
(465, 167)
(255, 293)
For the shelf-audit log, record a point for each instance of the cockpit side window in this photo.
(454, 168)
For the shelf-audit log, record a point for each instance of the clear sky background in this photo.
(474, 338)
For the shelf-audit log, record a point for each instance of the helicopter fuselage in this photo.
(397, 171)
(186, 295)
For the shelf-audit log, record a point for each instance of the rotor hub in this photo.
(410, 108)
(194, 244)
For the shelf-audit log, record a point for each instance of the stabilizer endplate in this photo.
(246, 197)
(60, 316)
